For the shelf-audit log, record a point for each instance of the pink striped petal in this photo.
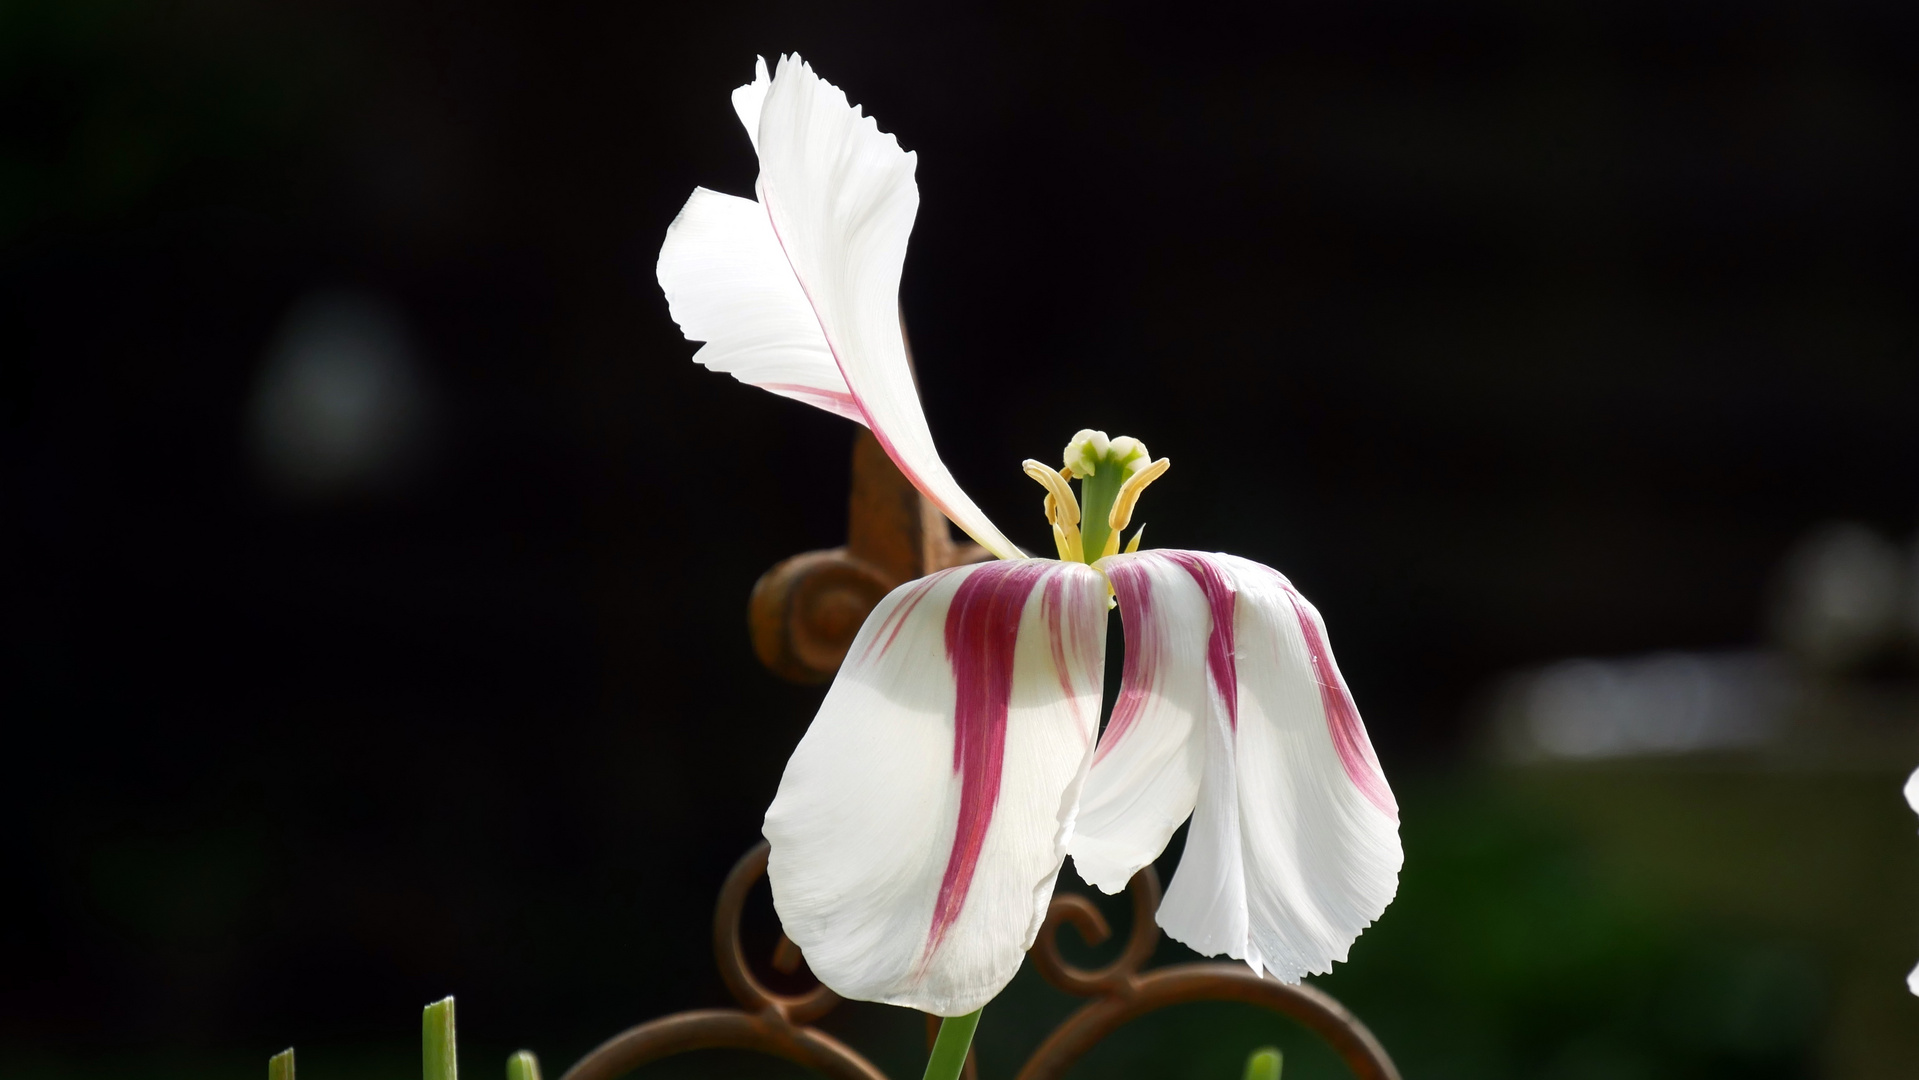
(1146, 771)
(923, 818)
(804, 299)
(1294, 845)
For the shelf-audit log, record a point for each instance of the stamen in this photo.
(1068, 544)
(1129, 493)
(1062, 510)
(1133, 544)
(1059, 494)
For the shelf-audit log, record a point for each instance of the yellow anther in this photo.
(1061, 506)
(1062, 509)
(1128, 497)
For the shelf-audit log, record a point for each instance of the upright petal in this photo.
(728, 284)
(1294, 845)
(842, 200)
(798, 293)
(923, 818)
(748, 99)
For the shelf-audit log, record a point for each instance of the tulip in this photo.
(957, 759)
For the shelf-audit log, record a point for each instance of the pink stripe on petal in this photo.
(982, 631)
(906, 468)
(864, 417)
(1050, 605)
(833, 401)
(1342, 715)
(883, 640)
(862, 414)
(1145, 652)
(1074, 626)
(1223, 601)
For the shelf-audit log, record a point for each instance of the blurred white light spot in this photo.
(1840, 597)
(1668, 703)
(339, 406)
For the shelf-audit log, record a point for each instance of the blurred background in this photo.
(375, 623)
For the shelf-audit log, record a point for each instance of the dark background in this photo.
(1508, 332)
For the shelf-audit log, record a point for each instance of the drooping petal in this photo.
(1294, 845)
(923, 818)
(1146, 771)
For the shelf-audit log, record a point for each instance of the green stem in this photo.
(523, 1066)
(949, 1049)
(280, 1065)
(1263, 1064)
(439, 1052)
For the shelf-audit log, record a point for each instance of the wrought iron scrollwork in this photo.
(1122, 993)
(780, 1024)
(804, 611)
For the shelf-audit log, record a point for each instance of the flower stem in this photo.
(949, 1050)
(439, 1056)
(1263, 1064)
(523, 1066)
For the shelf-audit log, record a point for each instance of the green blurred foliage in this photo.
(1511, 953)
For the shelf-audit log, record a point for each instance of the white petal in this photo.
(748, 99)
(1912, 800)
(1146, 772)
(842, 200)
(1294, 846)
(728, 284)
(922, 820)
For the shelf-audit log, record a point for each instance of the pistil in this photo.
(1112, 473)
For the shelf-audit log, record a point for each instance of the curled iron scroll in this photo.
(767, 1022)
(779, 1024)
(1122, 994)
